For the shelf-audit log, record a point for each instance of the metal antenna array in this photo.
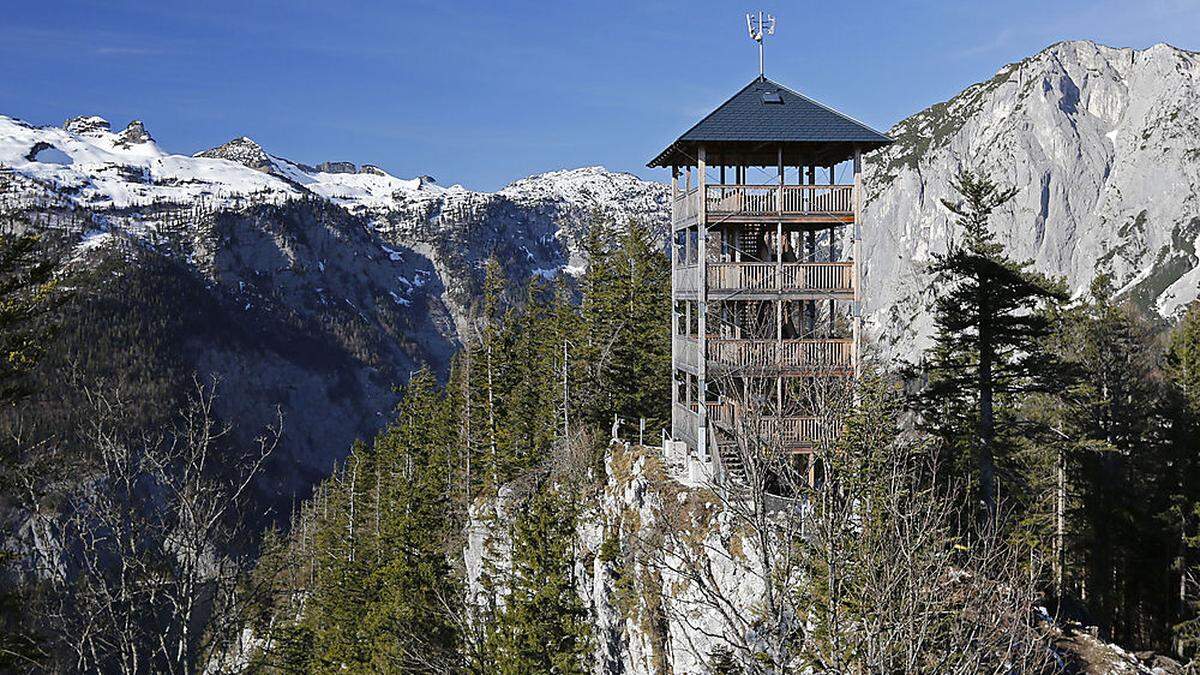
(760, 26)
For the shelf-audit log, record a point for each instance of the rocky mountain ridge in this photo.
(1103, 145)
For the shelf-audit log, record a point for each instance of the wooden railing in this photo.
(752, 200)
(741, 199)
(828, 354)
(742, 276)
(688, 351)
(799, 431)
(686, 421)
(836, 276)
(686, 205)
(831, 199)
(828, 277)
(790, 430)
(687, 278)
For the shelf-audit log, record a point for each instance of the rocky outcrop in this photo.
(244, 151)
(86, 124)
(337, 167)
(134, 134)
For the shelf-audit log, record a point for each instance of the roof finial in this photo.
(760, 27)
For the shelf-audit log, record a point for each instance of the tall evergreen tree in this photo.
(26, 293)
(544, 627)
(625, 310)
(1183, 369)
(384, 597)
(988, 341)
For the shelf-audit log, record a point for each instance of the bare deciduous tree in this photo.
(151, 574)
(844, 559)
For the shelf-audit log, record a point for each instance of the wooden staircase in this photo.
(731, 463)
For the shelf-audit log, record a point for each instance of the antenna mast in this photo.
(760, 26)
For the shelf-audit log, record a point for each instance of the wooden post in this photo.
(702, 308)
(674, 307)
(779, 290)
(857, 268)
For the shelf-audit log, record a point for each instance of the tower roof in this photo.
(750, 127)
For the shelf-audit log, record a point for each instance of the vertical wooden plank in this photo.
(857, 249)
(779, 285)
(702, 307)
(674, 308)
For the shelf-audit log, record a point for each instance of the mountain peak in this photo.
(242, 150)
(134, 134)
(87, 124)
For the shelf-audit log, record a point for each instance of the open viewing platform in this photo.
(725, 203)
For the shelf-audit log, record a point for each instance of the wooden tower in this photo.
(765, 271)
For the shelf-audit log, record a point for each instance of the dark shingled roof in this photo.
(764, 115)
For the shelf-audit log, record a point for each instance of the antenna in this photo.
(760, 26)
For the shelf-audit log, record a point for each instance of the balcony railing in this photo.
(826, 277)
(687, 351)
(686, 279)
(794, 431)
(830, 354)
(686, 205)
(822, 354)
(764, 200)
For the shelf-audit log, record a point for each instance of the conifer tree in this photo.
(988, 341)
(384, 597)
(625, 316)
(1183, 369)
(544, 627)
(26, 293)
(414, 616)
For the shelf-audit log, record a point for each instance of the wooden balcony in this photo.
(758, 203)
(827, 278)
(796, 432)
(686, 206)
(794, 355)
(835, 356)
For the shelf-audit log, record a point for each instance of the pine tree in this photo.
(544, 627)
(1183, 369)
(988, 342)
(384, 597)
(625, 315)
(27, 292)
(414, 618)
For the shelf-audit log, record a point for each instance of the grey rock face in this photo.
(244, 151)
(337, 167)
(134, 134)
(1103, 145)
(86, 124)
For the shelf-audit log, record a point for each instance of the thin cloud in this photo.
(127, 51)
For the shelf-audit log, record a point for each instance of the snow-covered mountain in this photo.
(533, 226)
(1104, 147)
(315, 288)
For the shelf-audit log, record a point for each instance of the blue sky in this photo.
(483, 93)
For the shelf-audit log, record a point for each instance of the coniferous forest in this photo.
(1033, 474)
